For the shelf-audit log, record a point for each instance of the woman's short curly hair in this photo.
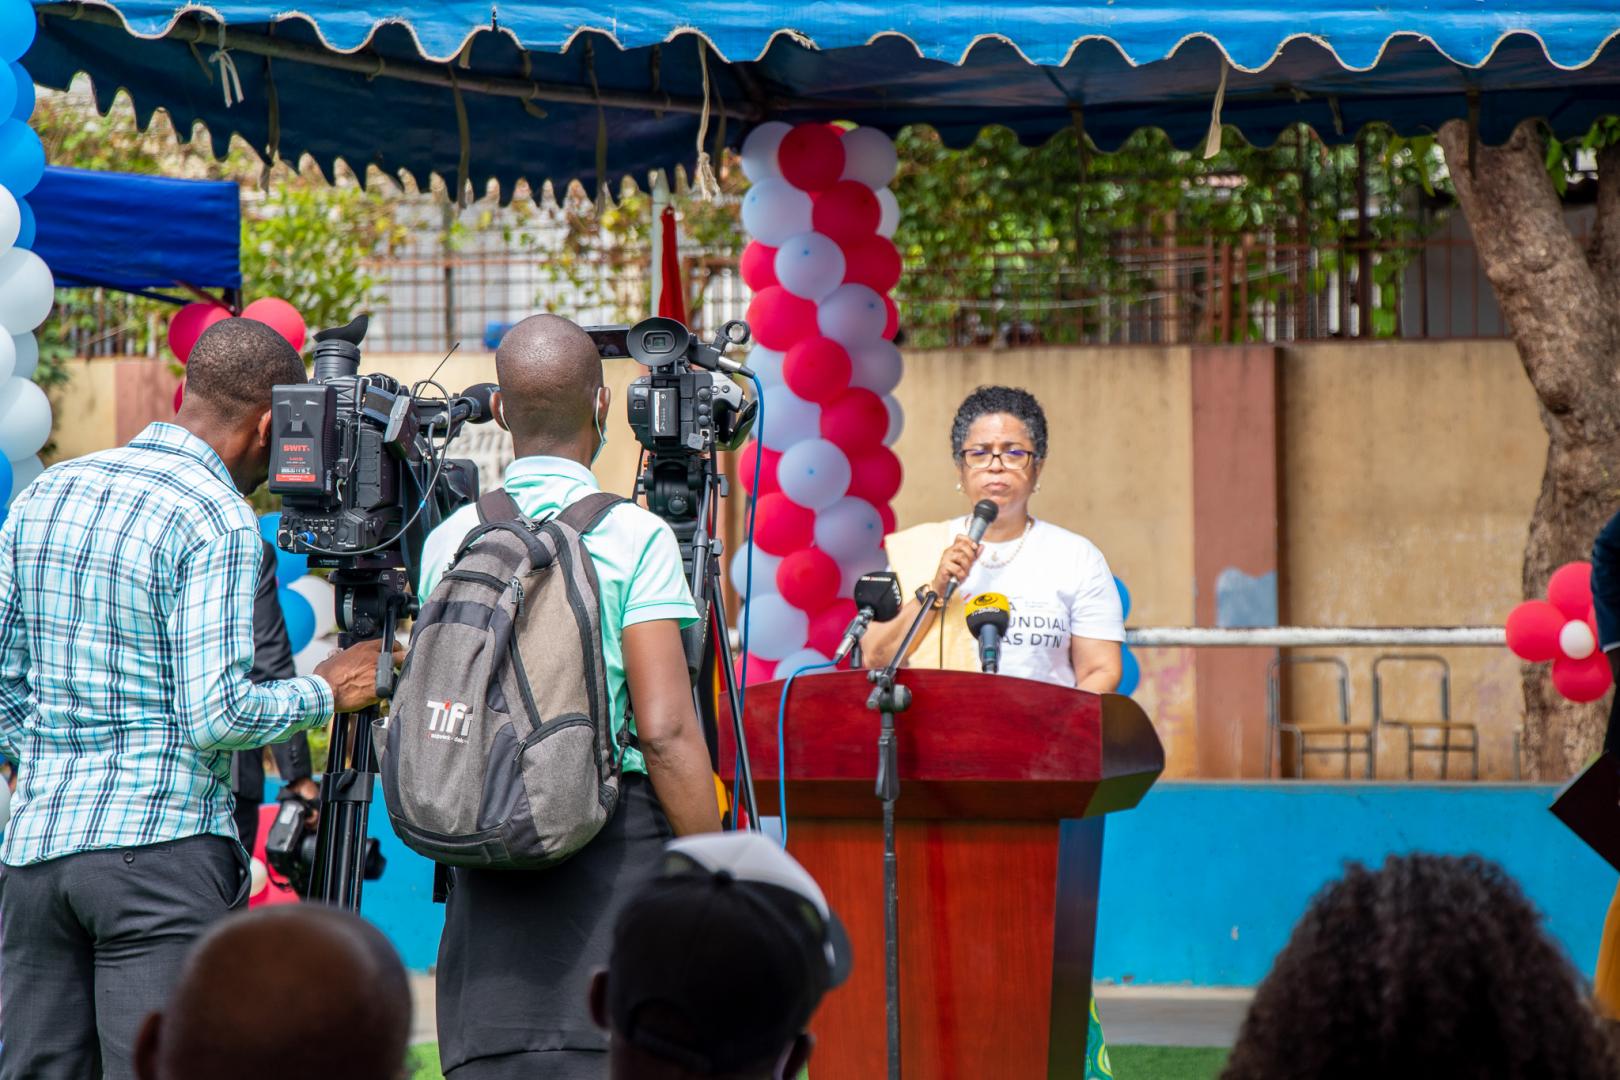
(989, 400)
(1433, 965)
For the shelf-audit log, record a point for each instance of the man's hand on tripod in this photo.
(352, 674)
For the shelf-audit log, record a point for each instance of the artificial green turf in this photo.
(1166, 1062)
(1129, 1062)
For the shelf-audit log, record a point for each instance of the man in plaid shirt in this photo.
(126, 635)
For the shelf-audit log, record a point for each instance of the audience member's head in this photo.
(718, 964)
(295, 990)
(552, 398)
(1433, 966)
(227, 401)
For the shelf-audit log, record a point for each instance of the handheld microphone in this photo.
(984, 512)
(988, 616)
(878, 598)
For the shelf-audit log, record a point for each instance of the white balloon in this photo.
(897, 419)
(849, 529)
(23, 473)
(10, 218)
(776, 628)
(765, 565)
(307, 659)
(1576, 640)
(810, 265)
(759, 150)
(258, 877)
(788, 419)
(813, 473)
(26, 290)
(877, 366)
(27, 349)
(25, 419)
(8, 353)
(870, 157)
(888, 213)
(855, 567)
(853, 315)
(774, 210)
(322, 598)
(800, 660)
(767, 364)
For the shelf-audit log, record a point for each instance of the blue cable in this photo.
(781, 743)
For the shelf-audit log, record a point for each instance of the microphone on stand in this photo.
(988, 616)
(984, 512)
(878, 598)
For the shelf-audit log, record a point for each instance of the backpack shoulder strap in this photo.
(498, 505)
(587, 513)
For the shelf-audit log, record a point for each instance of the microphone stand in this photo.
(887, 699)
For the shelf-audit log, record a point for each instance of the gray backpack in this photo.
(498, 751)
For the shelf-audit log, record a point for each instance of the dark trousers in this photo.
(520, 947)
(93, 942)
(247, 821)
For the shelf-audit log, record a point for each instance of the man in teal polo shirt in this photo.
(520, 947)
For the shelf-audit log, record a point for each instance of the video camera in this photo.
(354, 461)
(289, 846)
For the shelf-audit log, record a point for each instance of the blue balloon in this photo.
(25, 235)
(300, 618)
(289, 567)
(1130, 672)
(5, 487)
(22, 156)
(25, 92)
(8, 90)
(1124, 598)
(17, 28)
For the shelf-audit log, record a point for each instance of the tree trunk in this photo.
(1560, 306)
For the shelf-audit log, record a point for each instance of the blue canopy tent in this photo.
(535, 92)
(138, 233)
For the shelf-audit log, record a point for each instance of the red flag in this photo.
(672, 294)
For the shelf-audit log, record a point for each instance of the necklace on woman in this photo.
(997, 563)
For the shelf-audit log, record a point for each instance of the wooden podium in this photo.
(1004, 784)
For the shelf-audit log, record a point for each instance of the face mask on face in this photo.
(601, 430)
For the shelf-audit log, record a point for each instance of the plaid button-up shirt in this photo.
(126, 635)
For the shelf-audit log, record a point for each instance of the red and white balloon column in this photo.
(821, 265)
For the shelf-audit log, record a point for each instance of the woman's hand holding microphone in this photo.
(955, 563)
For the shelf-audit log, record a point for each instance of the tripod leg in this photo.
(744, 781)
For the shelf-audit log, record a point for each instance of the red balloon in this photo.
(758, 266)
(759, 670)
(782, 526)
(1570, 589)
(856, 419)
(1582, 680)
(767, 468)
(1532, 631)
(827, 626)
(779, 319)
(874, 476)
(811, 157)
(873, 261)
(188, 324)
(886, 513)
(817, 369)
(848, 212)
(179, 395)
(279, 316)
(808, 579)
(892, 327)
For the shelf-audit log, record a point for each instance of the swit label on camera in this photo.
(293, 462)
(449, 721)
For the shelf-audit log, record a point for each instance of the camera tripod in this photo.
(370, 604)
(684, 490)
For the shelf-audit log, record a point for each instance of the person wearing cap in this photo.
(718, 963)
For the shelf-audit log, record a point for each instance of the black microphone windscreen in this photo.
(881, 593)
(986, 509)
(482, 394)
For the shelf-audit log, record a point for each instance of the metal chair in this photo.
(1366, 734)
(1443, 724)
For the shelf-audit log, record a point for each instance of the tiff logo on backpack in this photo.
(443, 718)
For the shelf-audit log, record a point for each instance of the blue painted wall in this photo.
(1203, 882)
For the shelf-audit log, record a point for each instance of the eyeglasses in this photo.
(1013, 459)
